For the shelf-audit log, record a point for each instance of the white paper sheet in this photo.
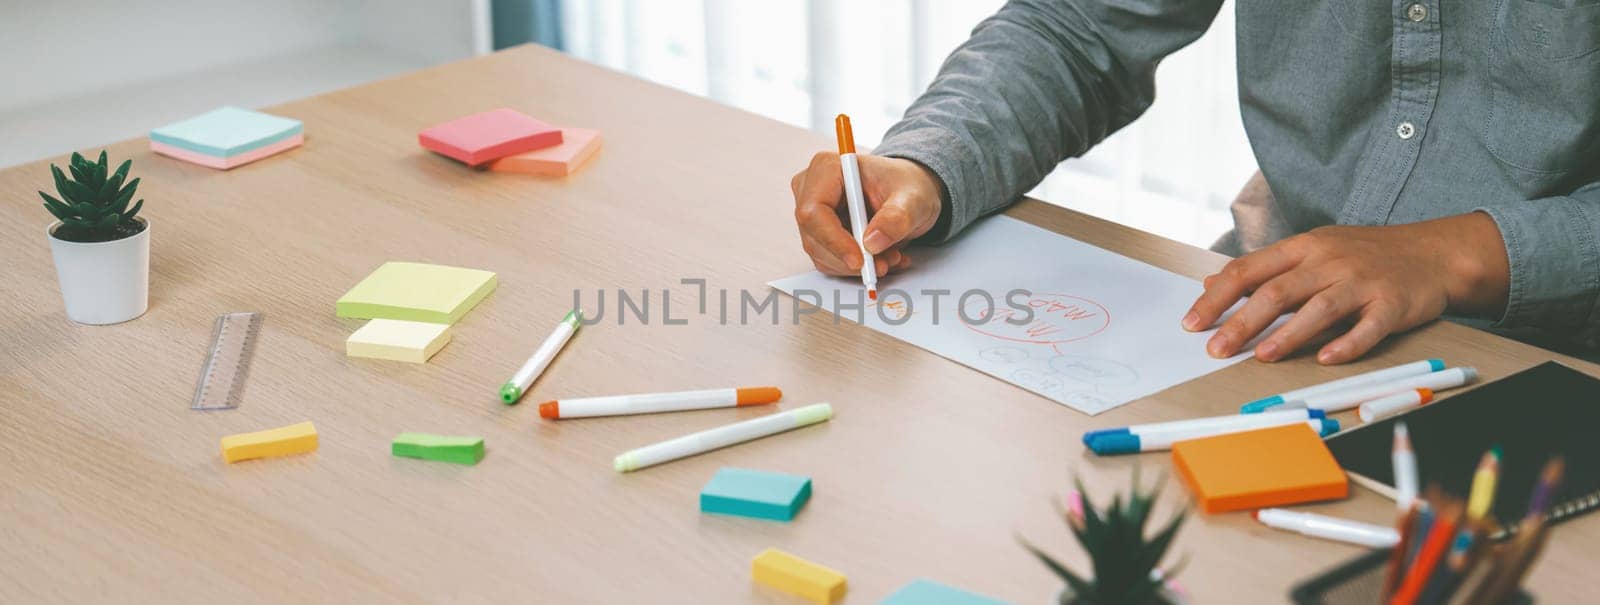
(1104, 330)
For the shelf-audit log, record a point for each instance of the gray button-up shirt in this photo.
(1360, 112)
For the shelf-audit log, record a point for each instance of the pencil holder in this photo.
(1358, 581)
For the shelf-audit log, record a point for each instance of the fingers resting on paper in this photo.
(1366, 282)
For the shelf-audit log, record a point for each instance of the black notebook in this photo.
(1543, 411)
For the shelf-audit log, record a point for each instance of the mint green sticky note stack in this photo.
(755, 494)
(929, 592)
(459, 450)
(227, 132)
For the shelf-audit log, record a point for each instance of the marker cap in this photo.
(813, 414)
(1261, 405)
(1329, 426)
(847, 138)
(574, 317)
(550, 409)
(758, 395)
(510, 393)
(624, 463)
(1092, 435)
(1115, 443)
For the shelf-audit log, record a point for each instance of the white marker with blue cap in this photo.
(1415, 368)
(1131, 443)
(1263, 419)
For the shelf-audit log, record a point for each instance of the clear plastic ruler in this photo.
(233, 344)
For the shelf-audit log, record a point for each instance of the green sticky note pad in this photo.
(929, 592)
(417, 292)
(460, 450)
(756, 494)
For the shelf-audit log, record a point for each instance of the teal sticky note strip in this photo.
(227, 132)
(929, 592)
(755, 494)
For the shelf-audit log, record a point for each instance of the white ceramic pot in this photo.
(103, 282)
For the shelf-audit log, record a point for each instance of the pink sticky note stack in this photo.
(491, 135)
(577, 146)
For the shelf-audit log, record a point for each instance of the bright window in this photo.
(1173, 172)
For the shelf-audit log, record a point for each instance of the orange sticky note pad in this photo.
(487, 136)
(1262, 468)
(577, 146)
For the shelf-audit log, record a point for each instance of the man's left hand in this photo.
(1385, 279)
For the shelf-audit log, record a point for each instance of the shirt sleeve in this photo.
(1555, 263)
(1037, 83)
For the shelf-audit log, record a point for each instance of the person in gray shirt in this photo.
(1417, 158)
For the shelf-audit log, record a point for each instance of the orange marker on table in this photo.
(855, 202)
(649, 403)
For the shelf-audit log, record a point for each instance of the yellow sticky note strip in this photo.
(292, 439)
(398, 340)
(792, 574)
(417, 292)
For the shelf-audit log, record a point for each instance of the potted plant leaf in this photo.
(1125, 561)
(100, 245)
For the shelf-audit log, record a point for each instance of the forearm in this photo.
(1037, 83)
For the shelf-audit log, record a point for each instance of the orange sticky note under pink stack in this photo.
(505, 140)
(577, 146)
(228, 137)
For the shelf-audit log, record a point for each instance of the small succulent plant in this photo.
(1124, 560)
(94, 205)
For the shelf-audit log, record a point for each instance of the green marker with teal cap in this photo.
(513, 389)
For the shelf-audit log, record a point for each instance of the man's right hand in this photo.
(903, 200)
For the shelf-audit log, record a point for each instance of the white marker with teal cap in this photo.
(1415, 368)
(1133, 443)
(513, 389)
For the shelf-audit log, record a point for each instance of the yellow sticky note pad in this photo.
(417, 292)
(398, 340)
(292, 439)
(795, 575)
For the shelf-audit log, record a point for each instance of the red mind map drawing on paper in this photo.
(895, 309)
(1057, 319)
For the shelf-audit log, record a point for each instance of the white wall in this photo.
(425, 31)
(78, 74)
(56, 49)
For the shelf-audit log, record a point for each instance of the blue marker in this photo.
(1272, 418)
(1131, 443)
(1415, 368)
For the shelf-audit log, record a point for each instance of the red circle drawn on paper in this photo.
(1045, 330)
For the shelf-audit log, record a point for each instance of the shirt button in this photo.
(1406, 130)
(1417, 12)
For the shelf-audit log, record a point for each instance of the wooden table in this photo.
(114, 489)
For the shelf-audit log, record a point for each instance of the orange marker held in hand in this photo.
(855, 202)
(650, 403)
